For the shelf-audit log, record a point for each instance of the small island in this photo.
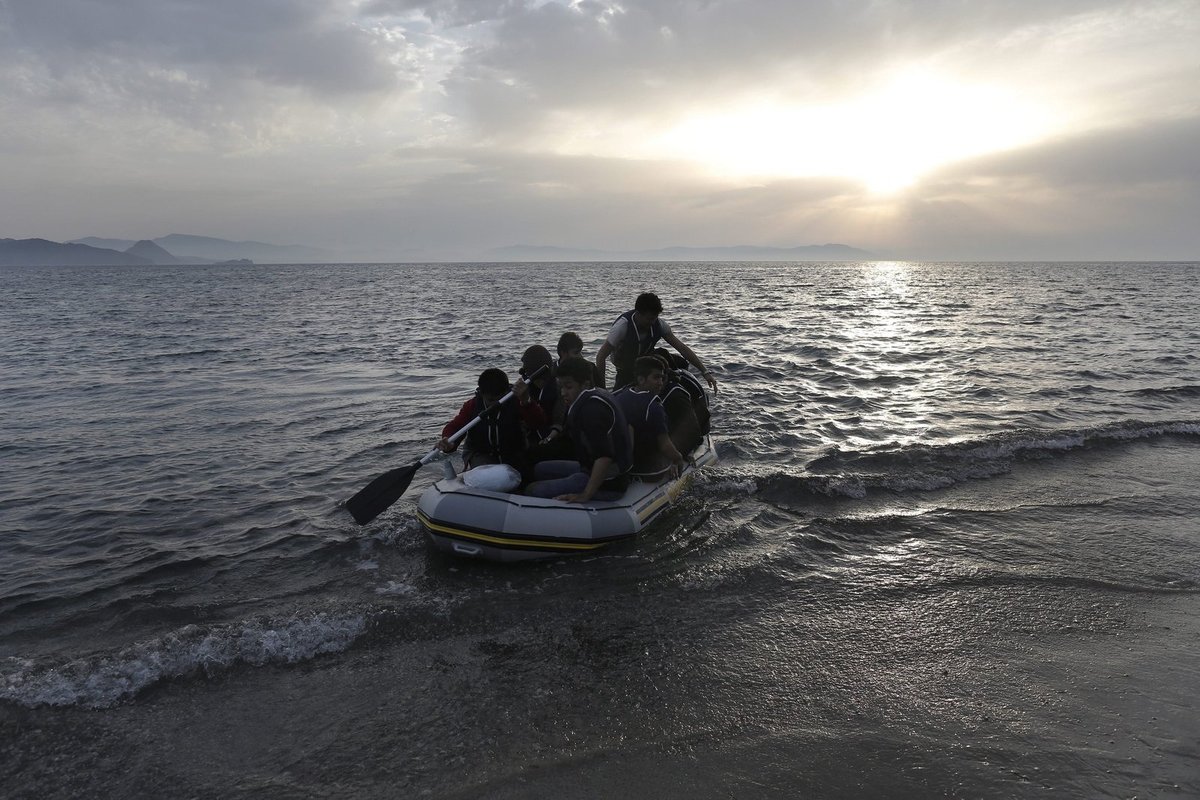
(176, 249)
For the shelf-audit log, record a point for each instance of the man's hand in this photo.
(446, 446)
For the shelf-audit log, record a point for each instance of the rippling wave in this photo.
(101, 681)
(927, 467)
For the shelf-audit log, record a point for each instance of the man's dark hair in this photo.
(534, 357)
(672, 360)
(577, 369)
(647, 364)
(648, 303)
(569, 342)
(493, 382)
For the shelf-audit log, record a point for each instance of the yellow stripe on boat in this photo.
(670, 496)
(483, 537)
(653, 508)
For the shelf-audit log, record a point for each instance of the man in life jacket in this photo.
(655, 456)
(570, 345)
(498, 437)
(554, 443)
(543, 388)
(685, 402)
(601, 438)
(636, 333)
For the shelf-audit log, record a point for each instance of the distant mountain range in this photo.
(43, 252)
(206, 250)
(174, 249)
(184, 249)
(812, 252)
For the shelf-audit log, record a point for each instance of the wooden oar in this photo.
(378, 495)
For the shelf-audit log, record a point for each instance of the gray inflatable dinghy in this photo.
(481, 523)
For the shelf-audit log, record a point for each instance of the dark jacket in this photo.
(499, 433)
(696, 391)
(547, 397)
(598, 429)
(686, 405)
(645, 414)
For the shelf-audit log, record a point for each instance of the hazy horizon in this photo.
(409, 130)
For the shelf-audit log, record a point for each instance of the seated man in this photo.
(601, 438)
(686, 405)
(542, 388)
(569, 344)
(548, 442)
(498, 437)
(655, 456)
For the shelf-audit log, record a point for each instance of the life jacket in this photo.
(547, 397)
(498, 433)
(686, 405)
(637, 342)
(699, 397)
(644, 412)
(581, 422)
(674, 360)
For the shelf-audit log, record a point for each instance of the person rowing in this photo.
(501, 435)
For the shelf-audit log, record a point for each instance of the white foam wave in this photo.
(397, 588)
(1166, 429)
(406, 528)
(1038, 443)
(939, 467)
(998, 450)
(726, 486)
(102, 681)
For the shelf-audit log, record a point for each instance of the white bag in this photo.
(492, 478)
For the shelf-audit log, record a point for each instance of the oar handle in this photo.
(461, 432)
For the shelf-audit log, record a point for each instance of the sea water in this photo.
(951, 548)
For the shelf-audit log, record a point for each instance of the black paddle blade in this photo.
(378, 495)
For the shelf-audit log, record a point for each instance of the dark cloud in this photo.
(1165, 151)
(1126, 193)
(218, 43)
(647, 54)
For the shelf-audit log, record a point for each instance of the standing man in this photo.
(634, 334)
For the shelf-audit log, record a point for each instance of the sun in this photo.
(885, 139)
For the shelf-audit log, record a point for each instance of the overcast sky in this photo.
(413, 129)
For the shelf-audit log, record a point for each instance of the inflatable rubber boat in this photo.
(479, 523)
